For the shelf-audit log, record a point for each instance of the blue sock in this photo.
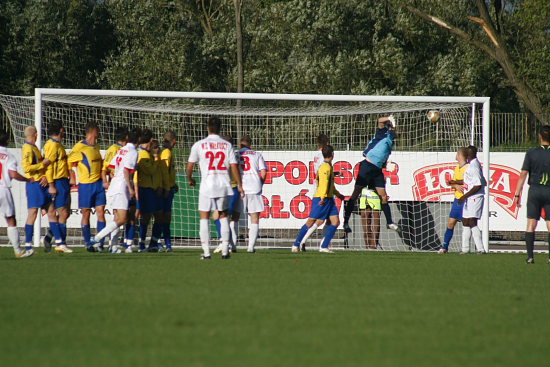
(218, 228)
(100, 226)
(387, 213)
(448, 236)
(54, 226)
(329, 234)
(87, 234)
(130, 232)
(29, 230)
(63, 229)
(142, 232)
(167, 235)
(301, 235)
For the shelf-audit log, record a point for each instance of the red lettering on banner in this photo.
(345, 177)
(312, 175)
(300, 205)
(277, 206)
(274, 169)
(290, 169)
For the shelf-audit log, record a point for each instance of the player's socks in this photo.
(115, 236)
(130, 233)
(349, 207)
(478, 240)
(387, 213)
(100, 227)
(309, 232)
(86, 233)
(63, 229)
(549, 246)
(155, 234)
(204, 233)
(13, 236)
(530, 243)
(54, 227)
(301, 235)
(29, 230)
(218, 228)
(167, 235)
(142, 232)
(448, 237)
(329, 235)
(105, 232)
(324, 234)
(225, 232)
(466, 234)
(253, 235)
(234, 227)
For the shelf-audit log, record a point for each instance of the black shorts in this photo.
(370, 176)
(537, 199)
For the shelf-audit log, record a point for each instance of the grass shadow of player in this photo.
(418, 226)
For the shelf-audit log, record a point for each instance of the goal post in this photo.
(283, 125)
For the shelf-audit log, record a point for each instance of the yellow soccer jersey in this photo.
(167, 169)
(326, 187)
(146, 169)
(32, 162)
(459, 176)
(110, 154)
(55, 152)
(157, 180)
(88, 160)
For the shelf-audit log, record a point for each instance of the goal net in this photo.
(284, 128)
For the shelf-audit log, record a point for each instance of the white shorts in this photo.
(207, 204)
(473, 207)
(7, 208)
(119, 201)
(253, 203)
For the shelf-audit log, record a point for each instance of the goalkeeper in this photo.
(370, 172)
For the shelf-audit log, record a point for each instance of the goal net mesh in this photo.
(285, 132)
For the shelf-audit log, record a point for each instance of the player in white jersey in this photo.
(8, 171)
(121, 189)
(474, 190)
(253, 171)
(216, 158)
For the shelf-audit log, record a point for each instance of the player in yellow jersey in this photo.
(157, 183)
(57, 174)
(170, 186)
(457, 184)
(323, 206)
(86, 157)
(34, 167)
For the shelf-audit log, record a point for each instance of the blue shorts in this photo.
(148, 200)
(37, 196)
(234, 202)
(456, 210)
(91, 195)
(167, 202)
(63, 197)
(328, 209)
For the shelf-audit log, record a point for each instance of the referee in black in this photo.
(537, 166)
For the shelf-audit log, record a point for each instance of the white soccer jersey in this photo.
(251, 163)
(125, 159)
(7, 163)
(214, 156)
(318, 159)
(473, 176)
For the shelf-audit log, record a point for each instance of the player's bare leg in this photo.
(253, 231)
(308, 228)
(349, 206)
(530, 239)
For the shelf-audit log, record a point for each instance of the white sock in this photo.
(478, 240)
(105, 231)
(234, 226)
(224, 231)
(253, 235)
(205, 236)
(466, 234)
(309, 232)
(114, 236)
(13, 236)
(324, 233)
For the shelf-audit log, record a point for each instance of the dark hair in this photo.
(214, 125)
(91, 125)
(146, 136)
(54, 127)
(170, 135)
(327, 151)
(246, 141)
(155, 144)
(544, 132)
(472, 151)
(133, 135)
(121, 133)
(229, 139)
(322, 140)
(4, 138)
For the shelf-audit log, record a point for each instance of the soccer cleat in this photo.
(394, 227)
(442, 251)
(142, 247)
(91, 249)
(63, 249)
(347, 228)
(204, 257)
(326, 250)
(233, 249)
(27, 253)
(94, 244)
(225, 257)
(481, 253)
(303, 247)
(218, 249)
(152, 249)
(18, 252)
(530, 260)
(464, 252)
(169, 249)
(46, 242)
(295, 249)
(251, 251)
(128, 250)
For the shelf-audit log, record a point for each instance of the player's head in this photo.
(169, 139)
(55, 128)
(31, 134)
(214, 125)
(155, 146)
(462, 155)
(121, 133)
(229, 139)
(471, 152)
(92, 132)
(322, 140)
(146, 136)
(246, 142)
(328, 152)
(544, 134)
(133, 136)
(4, 138)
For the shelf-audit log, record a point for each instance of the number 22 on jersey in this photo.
(220, 157)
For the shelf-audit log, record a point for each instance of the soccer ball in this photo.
(433, 116)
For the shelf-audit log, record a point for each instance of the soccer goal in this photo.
(284, 127)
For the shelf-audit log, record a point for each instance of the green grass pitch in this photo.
(273, 308)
